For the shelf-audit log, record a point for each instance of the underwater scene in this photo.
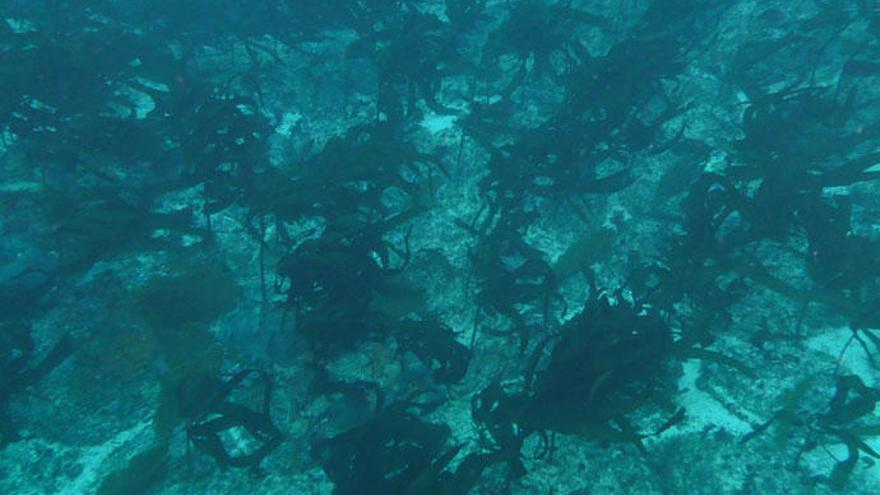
(439, 247)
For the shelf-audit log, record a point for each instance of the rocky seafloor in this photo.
(440, 247)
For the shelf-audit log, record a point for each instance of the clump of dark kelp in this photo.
(72, 99)
(504, 289)
(211, 412)
(609, 115)
(398, 452)
(726, 220)
(411, 55)
(612, 109)
(597, 371)
(846, 419)
(545, 33)
(223, 141)
(330, 280)
(99, 109)
(436, 346)
(608, 361)
(342, 287)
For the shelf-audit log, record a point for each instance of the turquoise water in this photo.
(439, 247)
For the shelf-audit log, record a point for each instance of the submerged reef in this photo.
(439, 247)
